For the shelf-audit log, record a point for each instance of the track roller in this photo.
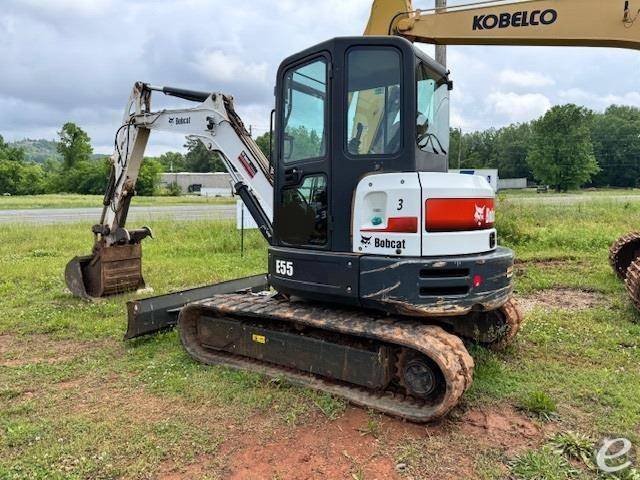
(394, 365)
(623, 252)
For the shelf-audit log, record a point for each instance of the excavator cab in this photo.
(347, 108)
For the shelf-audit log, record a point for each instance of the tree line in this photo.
(74, 168)
(567, 148)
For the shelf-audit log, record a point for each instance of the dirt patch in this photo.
(323, 449)
(16, 351)
(505, 428)
(197, 469)
(548, 263)
(351, 448)
(562, 298)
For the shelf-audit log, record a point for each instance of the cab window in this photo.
(432, 122)
(304, 212)
(374, 99)
(304, 107)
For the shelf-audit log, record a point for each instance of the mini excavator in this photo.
(380, 262)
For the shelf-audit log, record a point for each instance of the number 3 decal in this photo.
(400, 203)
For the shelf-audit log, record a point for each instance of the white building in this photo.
(214, 184)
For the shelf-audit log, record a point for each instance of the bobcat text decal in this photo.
(517, 19)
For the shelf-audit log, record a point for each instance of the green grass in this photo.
(62, 200)
(600, 192)
(77, 402)
(539, 404)
(542, 464)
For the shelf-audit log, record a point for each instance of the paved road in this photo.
(136, 214)
(218, 212)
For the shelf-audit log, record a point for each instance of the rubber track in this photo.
(445, 349)
(621, 251)
(513, 318)
(633, 282)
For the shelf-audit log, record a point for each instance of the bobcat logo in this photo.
(484, 215)
(365, 240)
(170, 120)
(479, 215)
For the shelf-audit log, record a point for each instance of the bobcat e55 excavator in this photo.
(378, 261)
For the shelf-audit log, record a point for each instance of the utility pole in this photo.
(459, 147)
(441, 50)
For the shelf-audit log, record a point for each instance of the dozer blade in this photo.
(151, 315)
(109, 271)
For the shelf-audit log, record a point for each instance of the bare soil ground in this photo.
(16, 351)
(356, 445)
(562, 298)
(350, 447)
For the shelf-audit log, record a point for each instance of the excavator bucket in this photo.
(109, 271)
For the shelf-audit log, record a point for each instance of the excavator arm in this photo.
(115, 263)
(588, 23)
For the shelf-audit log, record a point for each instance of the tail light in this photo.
(458, 214)
(397, 225)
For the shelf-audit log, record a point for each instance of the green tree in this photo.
(510, 148)
(17, 176)
(74, 145)
(561, 153)
(306, 143)
(88, 177)
(172, 162)
(616, 144)
(477, 149)
(263, 144)
(200, 159)
(148, 177)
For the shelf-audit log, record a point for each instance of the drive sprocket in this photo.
(508, 319)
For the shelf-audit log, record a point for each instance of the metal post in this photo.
(459, 147)
(242, 232)
(441, 50)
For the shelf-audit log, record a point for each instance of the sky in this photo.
(76, 60)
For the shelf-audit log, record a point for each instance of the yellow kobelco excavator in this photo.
(379, 261)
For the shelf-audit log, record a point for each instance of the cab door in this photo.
(302, 188)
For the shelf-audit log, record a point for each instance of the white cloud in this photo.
(518, 107)
(629, 98)
(217, 65)
(594, 101)
(77, 59)
(524, 79)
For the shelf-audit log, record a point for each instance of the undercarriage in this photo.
(413, 368)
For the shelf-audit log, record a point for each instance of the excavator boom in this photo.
(585, 23)
(115, 265)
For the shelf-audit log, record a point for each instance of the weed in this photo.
(538, 403)
(542, 464)
(332, 407)
(372, 427)
(574, 446)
